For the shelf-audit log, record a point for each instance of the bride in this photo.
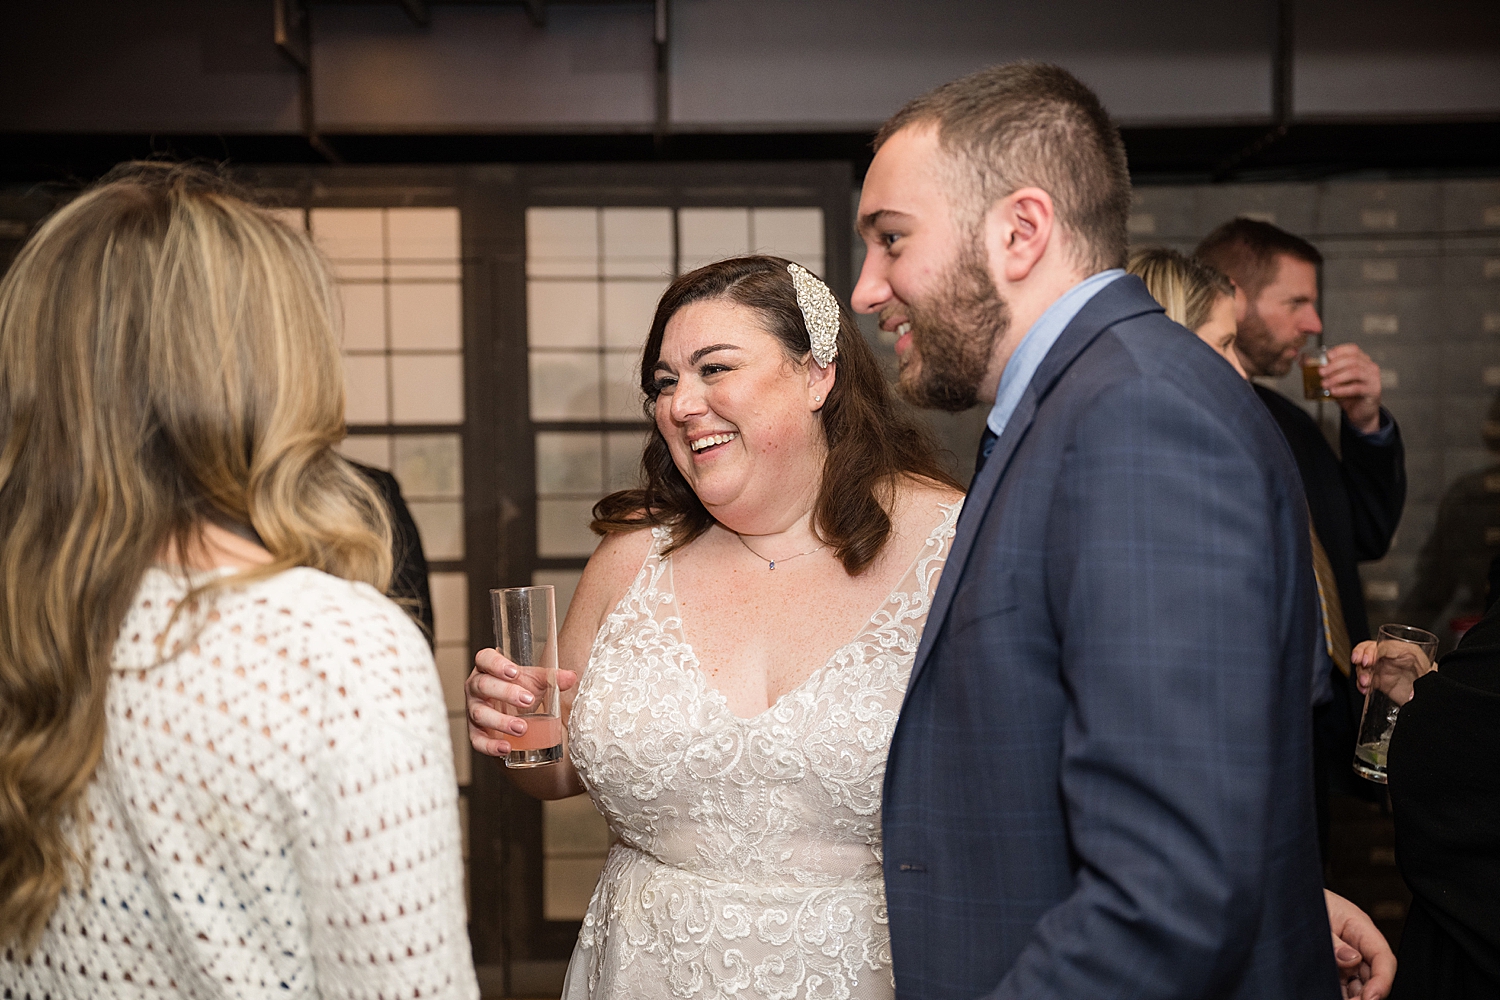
(744, 634)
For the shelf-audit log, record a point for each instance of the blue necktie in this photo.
(986, 445)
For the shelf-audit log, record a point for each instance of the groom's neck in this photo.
(1026, 300)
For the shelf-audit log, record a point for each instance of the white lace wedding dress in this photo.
(747, 861)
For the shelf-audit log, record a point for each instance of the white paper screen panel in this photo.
(399, 274)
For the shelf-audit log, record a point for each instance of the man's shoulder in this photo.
(1156, 349)
(1474, 490)
(1276, 401)
(1123, 338)
(1295, 422)
(1160, 344)
(1152, 365)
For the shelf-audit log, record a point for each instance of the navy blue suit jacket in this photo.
(1101, 781)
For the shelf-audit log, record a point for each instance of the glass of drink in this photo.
(526, 634)
(1402, 654)
(1312, 382)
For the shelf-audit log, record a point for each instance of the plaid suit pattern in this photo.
(1101, 781)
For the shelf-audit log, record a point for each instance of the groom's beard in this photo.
(953, 337)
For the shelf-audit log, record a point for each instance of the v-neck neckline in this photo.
(723, 700)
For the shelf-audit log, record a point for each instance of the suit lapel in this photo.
(981, 492)
(1119, 300)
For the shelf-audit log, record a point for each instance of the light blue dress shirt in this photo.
(1038, 341)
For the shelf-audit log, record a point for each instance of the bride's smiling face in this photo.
(739, 416)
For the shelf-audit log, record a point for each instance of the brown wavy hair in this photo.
(168, 358)
(873, 440)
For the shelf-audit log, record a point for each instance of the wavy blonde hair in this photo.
(168, 358)
(1186, 287)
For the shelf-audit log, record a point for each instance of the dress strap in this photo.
(922, 579)
(642, 597)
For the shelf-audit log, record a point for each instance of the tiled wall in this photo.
(594, 276)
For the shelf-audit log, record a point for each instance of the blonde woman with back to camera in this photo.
(224, 761)
(745, 631)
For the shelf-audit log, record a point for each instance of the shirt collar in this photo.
(1038, 341)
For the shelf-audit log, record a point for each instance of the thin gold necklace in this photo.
(771, 563)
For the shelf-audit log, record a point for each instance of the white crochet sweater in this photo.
(275, 812)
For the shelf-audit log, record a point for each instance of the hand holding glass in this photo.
(526, 635)
(1402, 654)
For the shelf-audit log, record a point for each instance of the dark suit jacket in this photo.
(1355, 502)
(1447, 818)
(1101, 781)
(409, 586)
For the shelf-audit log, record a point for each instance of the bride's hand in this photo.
(496, 682)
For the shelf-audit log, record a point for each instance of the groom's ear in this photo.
(1018, 229)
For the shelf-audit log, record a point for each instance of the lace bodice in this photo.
(748, 855)
(274, 813)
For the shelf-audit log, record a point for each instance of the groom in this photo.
(1101, 782)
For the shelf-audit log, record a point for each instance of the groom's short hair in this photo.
(1028, 124)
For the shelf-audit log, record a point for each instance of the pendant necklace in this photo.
(771, 563)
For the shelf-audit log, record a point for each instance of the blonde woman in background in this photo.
(224, 760)
(1193, 294)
